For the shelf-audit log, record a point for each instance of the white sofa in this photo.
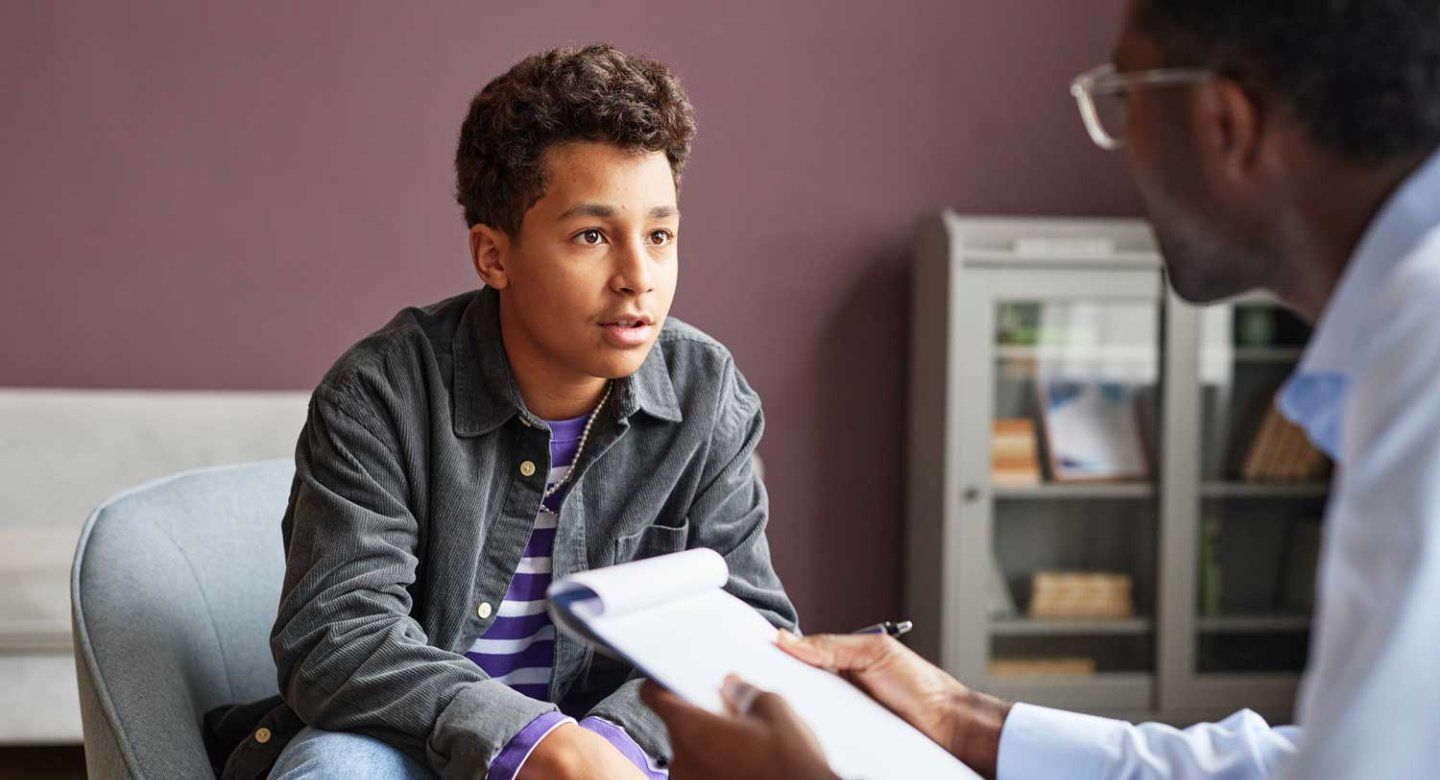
(63, 452)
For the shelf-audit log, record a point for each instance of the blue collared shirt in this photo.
(1367, 392)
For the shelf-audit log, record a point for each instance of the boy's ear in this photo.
(489, 250)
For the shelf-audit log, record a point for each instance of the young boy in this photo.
(469, 451)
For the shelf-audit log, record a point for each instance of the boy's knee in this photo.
(316, 754)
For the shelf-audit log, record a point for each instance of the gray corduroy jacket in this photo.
(410, 510)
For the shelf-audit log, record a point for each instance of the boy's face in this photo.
(588, 282)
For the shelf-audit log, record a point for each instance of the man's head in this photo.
(1296, 87)
(568, 170)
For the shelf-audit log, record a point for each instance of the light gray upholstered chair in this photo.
(173, 593)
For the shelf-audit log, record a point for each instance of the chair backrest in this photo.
(174, 589)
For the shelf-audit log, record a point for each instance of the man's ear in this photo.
(489, 251)
(1232, 124)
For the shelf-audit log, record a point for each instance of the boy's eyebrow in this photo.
(596, 210)
(601, 211)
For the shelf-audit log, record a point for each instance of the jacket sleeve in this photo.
(728, 515)
(349, 655)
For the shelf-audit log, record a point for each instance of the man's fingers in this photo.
(773, 713)
(838, 652)
(681, 717)
(739, 695)
(664, 703)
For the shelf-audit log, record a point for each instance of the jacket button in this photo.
(527, 468)
(262, 735)
(483, 610)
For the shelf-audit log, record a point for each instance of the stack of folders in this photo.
(671, 618)
(1014, 454)
(1281, 452)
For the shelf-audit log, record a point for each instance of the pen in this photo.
(891, 627)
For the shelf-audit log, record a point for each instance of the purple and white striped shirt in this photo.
(518, 649)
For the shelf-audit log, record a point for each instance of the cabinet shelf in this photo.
(1253, 624)
(1113, 353)
(1263, 490)
(1052, 627)
(1065, 492)
(1268, 354)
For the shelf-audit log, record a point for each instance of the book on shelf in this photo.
(1014, 453)
(1256, 565)
(1302, 557)
(1281, 452)
(1092, 431)
(1209, 574)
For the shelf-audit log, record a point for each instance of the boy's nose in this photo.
(634, 276)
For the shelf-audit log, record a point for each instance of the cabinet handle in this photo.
(972, 494)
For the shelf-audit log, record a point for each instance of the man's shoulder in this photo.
(1400, 362)
(397, 354)
(1416, 279)
(1407, 302)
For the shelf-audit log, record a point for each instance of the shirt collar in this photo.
(484, 395)
(1314, 397)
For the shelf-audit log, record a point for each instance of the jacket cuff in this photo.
(616, 736)
(624, 709)
(476, 726)
(513, 756)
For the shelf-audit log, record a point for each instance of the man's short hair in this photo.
(1362, 75)
(594, 93)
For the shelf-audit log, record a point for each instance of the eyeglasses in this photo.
(1104, 97)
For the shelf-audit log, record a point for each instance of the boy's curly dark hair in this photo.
(593, 93)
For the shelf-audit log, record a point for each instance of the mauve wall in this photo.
(205, 195)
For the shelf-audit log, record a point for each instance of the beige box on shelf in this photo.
(1041, 667)
(1081, 595)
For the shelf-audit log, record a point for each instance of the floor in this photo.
(42, 763)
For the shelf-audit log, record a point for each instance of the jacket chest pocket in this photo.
(650, 541)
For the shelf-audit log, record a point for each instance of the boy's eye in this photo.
(661, 237)
(590, 237)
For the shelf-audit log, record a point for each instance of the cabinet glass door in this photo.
(1262, 496)
(1073, 472)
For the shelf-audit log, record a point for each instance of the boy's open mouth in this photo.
(627, 331)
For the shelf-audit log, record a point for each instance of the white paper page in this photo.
(690, 644)
(636, 585)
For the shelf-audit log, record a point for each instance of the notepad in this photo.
(671, 618)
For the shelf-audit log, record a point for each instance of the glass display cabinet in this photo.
(1104, 511)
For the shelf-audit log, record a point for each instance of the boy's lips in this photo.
(628, 331)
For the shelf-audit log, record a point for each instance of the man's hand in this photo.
(962, 721)
(573, 753)
(761, 738)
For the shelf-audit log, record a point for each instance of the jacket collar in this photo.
(484, 395)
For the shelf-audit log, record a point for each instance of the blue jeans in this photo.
(316, 755)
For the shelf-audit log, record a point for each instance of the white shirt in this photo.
(1367, 392)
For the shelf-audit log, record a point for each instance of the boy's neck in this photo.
(552, 402)
(547, 393)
